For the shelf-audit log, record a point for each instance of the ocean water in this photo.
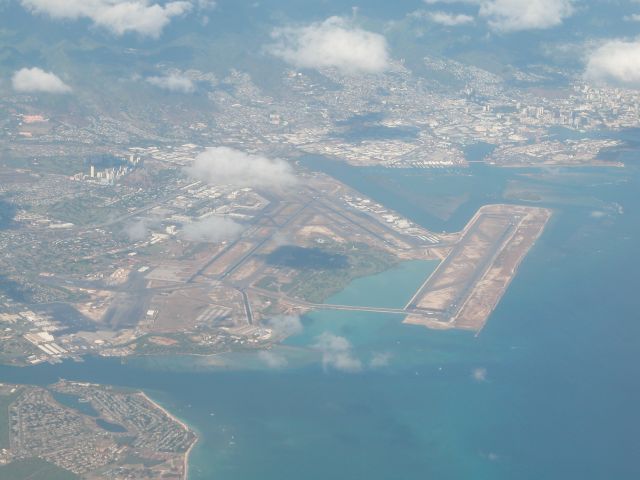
(549, 390)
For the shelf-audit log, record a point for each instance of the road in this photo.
(349, 308)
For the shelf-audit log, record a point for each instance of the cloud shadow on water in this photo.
(302, 258)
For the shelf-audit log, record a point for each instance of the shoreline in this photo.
(183, 424)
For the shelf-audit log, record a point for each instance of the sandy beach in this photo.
(183, 425)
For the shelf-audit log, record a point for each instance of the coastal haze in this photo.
(290, 239)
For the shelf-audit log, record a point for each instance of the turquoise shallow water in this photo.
(392, 289)
(549, 390)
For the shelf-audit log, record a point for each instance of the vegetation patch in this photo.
(35, 469)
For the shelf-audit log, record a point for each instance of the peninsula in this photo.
(91, 431)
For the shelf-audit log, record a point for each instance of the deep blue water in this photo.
(549, 390)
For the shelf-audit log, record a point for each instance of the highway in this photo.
(350, 308)
(247, 306)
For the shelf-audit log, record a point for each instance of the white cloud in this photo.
(285, 325)
(336, 42)
(515, 15)
(380, 360)
(450, 19)
(272, 360)
(138, 230)
(479, 374)
(174, 82)
(228, 166)
(117, 16)
(37, 80)
(337, 353)
(211, 229)
(615, 62)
